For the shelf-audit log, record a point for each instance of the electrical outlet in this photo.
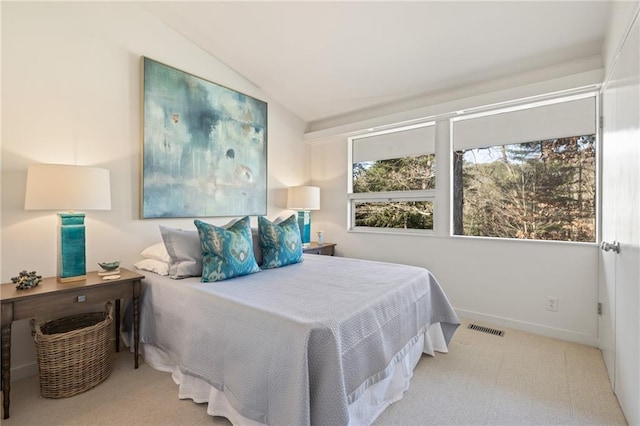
(552, 303)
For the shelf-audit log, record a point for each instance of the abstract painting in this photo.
(204, 147)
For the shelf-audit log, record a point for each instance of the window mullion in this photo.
(394, 195)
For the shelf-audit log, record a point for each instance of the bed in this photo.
(328, 341)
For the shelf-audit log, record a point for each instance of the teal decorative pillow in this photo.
(280, 242)
(226, 252)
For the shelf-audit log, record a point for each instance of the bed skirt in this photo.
(371, 400)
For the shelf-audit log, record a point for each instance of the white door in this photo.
(607, 289)
(620, 323)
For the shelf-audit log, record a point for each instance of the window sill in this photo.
(432, 234)
(393, 231)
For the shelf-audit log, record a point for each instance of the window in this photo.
(527, 173)
(393, 179)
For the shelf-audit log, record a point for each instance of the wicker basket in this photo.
(74, 353)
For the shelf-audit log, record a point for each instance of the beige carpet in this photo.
(518, 379)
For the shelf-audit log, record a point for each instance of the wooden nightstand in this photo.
(327, 249)
(51, 298)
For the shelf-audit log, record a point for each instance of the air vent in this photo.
(486, 330)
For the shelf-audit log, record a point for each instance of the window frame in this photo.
(442, 196)
(428, 195)
(509, 107)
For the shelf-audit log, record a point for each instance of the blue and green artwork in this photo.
(204, 147)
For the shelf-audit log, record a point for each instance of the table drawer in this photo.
(326, 251)
(68, 301)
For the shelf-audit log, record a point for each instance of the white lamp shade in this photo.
(66, 187)
(303, 198)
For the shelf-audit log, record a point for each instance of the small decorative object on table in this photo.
(320, 237)
(109, 268)
(26, 280)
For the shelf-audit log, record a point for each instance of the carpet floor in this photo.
(516, 379)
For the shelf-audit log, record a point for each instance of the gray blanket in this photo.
(295, 345)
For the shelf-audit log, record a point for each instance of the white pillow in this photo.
(184, 250)
(153, 265)
(158, 252)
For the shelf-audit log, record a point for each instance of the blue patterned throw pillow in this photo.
(226, 252)
(280, 242)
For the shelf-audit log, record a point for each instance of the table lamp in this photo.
(71, 188)
(304, 199)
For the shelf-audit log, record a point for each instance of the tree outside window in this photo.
(543, 190)
(396, 180)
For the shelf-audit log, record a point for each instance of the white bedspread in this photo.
(295, 345)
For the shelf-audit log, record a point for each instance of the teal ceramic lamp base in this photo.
(71, 248)
(304, 223)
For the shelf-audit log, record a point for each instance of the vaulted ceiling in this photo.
(326, 59)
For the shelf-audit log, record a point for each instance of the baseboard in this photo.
(24, 371)
(543, 330)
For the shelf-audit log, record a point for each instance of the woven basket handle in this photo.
(108, 307)
(37, 331)
(35, 328)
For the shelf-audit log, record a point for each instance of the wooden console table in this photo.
(51, 298)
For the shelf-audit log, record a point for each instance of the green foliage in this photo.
(400, 214)
(398, 174)
(538, 190)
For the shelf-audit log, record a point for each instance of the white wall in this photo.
(504, 282)
(622, 13)
(71, 93)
